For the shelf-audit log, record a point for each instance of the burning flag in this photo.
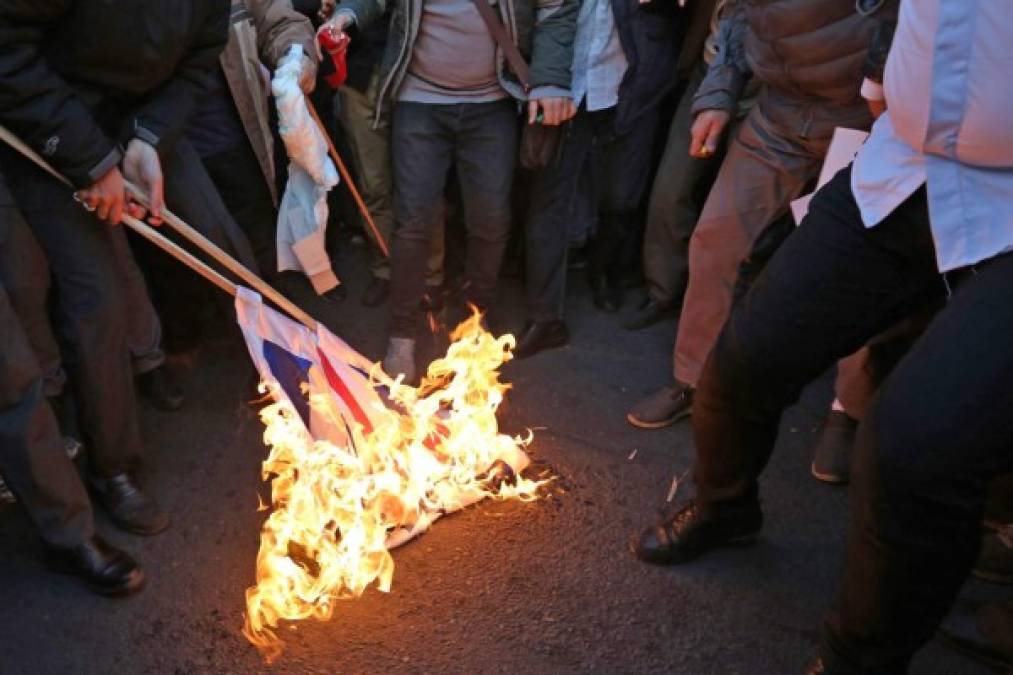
(360, 463)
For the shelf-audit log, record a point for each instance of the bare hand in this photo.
(555, 110)
(107, 197)
(706, 132)
(307, 75)
(337, 23)
(326, 9)
(142, 167)
(877, 108)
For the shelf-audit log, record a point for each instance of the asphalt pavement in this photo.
(503, 587)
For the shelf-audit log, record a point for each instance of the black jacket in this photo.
(80, 77)
(651, 35)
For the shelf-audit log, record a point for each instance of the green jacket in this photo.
(542, 29)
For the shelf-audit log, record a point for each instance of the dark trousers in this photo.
(91, 313)
(680, 189)
(237, 175)
(937, 431)
(621, 164)
(32, 458)
(427, 139)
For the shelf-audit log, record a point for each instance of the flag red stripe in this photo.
(341, 389)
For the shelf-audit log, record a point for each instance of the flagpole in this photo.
(170, 247)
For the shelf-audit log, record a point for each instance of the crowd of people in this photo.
(540, 123)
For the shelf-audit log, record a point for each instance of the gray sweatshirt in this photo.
(454, 57)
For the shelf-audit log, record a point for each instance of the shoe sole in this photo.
(828, 478)
(640, 424)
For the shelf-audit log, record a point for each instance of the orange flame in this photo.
(338, 511)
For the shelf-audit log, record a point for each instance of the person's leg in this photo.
(486, 153)
(625, 168)
(82, 257)
(423, 136)
(763, 171)
(677, 196)
(831, 286)
(551, 204)
(924, 458)
(32, 456)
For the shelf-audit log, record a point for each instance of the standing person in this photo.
(78, 82)
(624, 60)
(682, 181)
(448, 110)
(33, 457)
(808, 58)
(368, 137)
(928, 199)
(231, 129)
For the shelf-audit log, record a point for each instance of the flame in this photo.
(338, 510)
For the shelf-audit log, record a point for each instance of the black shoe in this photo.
(128, 506)
(376, 292)
(105, 569)
(541, 335)
(649, 313)
(694, 530)
(160, 389)
(832, 453)
(605, 294)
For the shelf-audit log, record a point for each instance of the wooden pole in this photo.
(227, 261)
(187, 232)
(347, 177)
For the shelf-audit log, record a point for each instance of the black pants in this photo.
(481, 138)
(91, 312)
(244, 191)
(937, 431)
(621, 164)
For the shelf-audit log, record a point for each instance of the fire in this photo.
(337, 511)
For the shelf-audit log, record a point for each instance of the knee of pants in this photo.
(97, 314)
(901, 454)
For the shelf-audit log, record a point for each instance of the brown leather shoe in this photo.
(663, 408)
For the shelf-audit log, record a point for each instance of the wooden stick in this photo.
(227, 261)
(347, 177)
(179, 253)
(190, 234)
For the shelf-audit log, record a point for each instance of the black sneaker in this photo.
(832, 453)
(693, 530)
(160, 389)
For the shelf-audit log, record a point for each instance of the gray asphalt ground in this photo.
(545, 587)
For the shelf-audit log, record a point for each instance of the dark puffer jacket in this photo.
(79, 77)
(805, 53)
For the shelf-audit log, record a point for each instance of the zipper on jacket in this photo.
(382, 94)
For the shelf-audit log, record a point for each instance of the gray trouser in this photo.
(371, 156)
(32, 458)
(677, 196)
(90, 315)
(481, 139)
